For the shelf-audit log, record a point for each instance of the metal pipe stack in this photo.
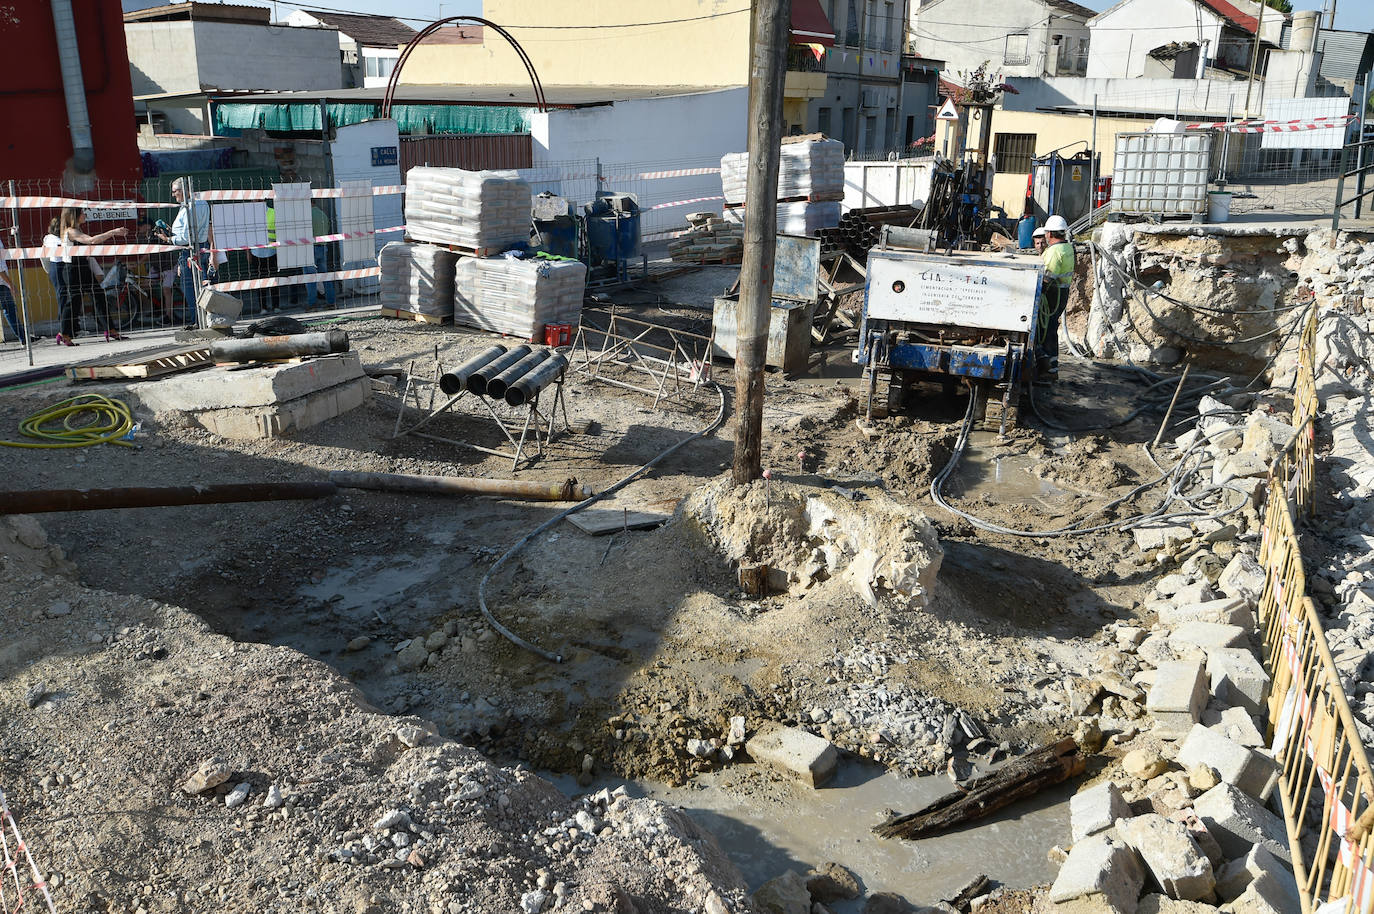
(526, 388)
(496, 387)
(456, 381)
(478, 380)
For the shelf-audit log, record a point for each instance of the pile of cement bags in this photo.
(811, 169)
(417, 278)
(798, 218)
(471, 209)
(518, 297)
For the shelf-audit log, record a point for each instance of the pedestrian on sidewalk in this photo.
(79, 276)
(7, 298)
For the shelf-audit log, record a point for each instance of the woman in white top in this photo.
(78, 279)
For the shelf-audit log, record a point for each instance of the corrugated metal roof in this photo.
(1345, 54)
(1073, 9)
(1235, 17)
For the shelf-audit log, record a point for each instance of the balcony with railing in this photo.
(805, 73)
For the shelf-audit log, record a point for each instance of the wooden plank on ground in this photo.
(414, 316)
(600, 521)
(154, 362)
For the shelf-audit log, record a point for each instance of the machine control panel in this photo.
(952, 290)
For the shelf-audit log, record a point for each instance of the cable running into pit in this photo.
(511, 636)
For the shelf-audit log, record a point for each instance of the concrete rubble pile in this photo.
(478, 210)
(1187, 813)
(1341, 581)
(518, 296)
(708, 239)
(1245, 277)
(417, 278)
(810, 184)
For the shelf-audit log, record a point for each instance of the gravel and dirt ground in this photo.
(295, 640)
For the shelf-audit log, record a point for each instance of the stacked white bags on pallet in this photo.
(518, 297)
(471, 209)
(812, 168)
(798, 218)
(417, 278)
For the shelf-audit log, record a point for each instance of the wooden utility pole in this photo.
(1254, 58)
(767, 73)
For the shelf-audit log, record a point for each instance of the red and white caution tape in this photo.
(1318, 123)
(318, 239)
(318, 193)
(97, 250)
(14, 862)
(685, 202)
(269, 282)
(673, 173)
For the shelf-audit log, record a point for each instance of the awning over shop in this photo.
(416, 119)
(809, 24)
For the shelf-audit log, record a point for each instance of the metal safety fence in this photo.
(1325, 785)
(22, 884)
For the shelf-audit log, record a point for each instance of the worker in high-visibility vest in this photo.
(1059, 266)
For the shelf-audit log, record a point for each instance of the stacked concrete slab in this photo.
(517, 296)
(480, 210)
(417, 278)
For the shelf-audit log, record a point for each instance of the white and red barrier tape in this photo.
(128, 250)
(318, 239)
(269, 282)
(13, 864)
(656, 175)
(1317, 123)
(685, 202)
(318, 193)
(1335, 814)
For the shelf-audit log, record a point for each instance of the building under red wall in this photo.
(36, 140)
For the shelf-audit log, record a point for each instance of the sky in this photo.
(1350, 14)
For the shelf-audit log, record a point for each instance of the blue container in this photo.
(559, 236)
(613, 236)
(1025, 231)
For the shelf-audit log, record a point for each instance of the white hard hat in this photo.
(1038, 233)
(1057, 225)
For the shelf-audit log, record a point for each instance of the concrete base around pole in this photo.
(263, 402)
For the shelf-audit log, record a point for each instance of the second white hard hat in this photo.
(1056, 224)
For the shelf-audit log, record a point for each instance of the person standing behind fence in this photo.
(319, 221)
(78, 276)
(52, 257)
(192, 226)
(7, 298)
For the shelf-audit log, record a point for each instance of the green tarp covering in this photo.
(416, 119)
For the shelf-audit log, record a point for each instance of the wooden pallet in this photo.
(154, 362)
(414, 316)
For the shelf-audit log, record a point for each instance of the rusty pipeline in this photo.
(46, 501)
(264, 348)
(569, 490)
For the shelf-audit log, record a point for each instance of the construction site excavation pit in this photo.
(332, 655)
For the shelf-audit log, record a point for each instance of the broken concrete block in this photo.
(1155, 650)
(1239, 822)
(806, 757)
(1237, 678)
(1266, 894)
(1144, 763)
(1177, 697)
(1171, 855)
(1236, 876)
(1100, 869)
(1238, 466)
(1201, 836)
(1163, 904)
(1235, 724)
(1196, 592)
(1243, 577)
(784, 895)
(1226, 611)
(1096, 810)
(1196, 639)
(1251, 771)
(1151, 537)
